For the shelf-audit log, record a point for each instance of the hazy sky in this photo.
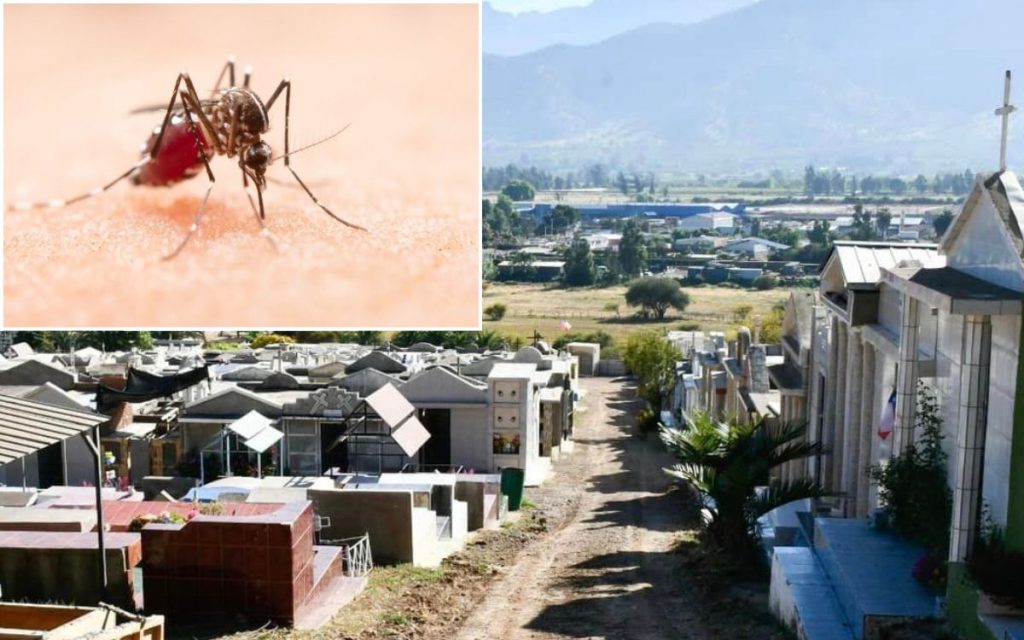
(517, 6)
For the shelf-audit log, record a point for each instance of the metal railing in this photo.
(358, 555)
(412, 467)
(444, 528)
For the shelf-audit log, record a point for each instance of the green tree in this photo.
(809, 177)
(652, 359)
(560, 218)
(622, 183)
(656, 296)
(632, 250)
(265, 339)
(863, 227)
(519, 190)
(727, 464)
(49, 341)
(820, 233)
(942, 221)
(368, 338)
(920, 183)
(883, 218)
(580, 270)
(766, 281)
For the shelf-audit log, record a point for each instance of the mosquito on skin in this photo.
(230, 123)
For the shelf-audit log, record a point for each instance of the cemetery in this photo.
(262, 484)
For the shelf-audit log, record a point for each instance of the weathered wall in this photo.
(385, 515)
(62, 567)
(79, 463)
(471, 444)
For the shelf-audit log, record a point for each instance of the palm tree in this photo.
(730, 464)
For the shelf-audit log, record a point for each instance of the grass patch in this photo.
(397, 619)
(527, 504)
(542, 307)
(403, 575)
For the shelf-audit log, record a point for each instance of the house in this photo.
(708, 221)
(534, 270)
(759, 248)
(698, 244)
(605, 241)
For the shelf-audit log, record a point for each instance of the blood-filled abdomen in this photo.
(178, 157)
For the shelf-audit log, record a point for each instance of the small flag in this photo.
(565, 325)
(888, 419)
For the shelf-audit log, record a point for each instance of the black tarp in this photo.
(141, 386)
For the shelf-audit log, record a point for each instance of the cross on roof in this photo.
(1005, 112)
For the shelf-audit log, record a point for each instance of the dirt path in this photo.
(609, 570)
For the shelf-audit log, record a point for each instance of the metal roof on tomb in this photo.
(27, 426)
(862, 262)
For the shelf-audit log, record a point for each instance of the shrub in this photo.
(496, 311)
(265, 339)
(726, 463)
(913, 484)
(689, 325)
(652, 358)
(648, 419)
(930, 570)
(999, 574)
(741, 313)
(766, 281)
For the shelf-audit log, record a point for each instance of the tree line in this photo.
(825, 182)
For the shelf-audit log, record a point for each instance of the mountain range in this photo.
(867, 85)
(516, 33)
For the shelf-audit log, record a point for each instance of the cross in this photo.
(1005, 112)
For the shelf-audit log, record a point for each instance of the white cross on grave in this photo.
(1005, 112)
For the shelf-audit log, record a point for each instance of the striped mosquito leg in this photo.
(58, 203)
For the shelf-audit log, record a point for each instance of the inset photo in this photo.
(242, 165)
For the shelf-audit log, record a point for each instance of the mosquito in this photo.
(230, 123)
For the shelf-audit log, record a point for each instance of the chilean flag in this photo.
(888, 419)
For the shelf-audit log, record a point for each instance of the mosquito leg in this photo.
(185, 100)
(286, 86)
(246, 77)
(197, 107)
(229, 68)
(56, 204)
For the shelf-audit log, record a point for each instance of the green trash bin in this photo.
(512, 481)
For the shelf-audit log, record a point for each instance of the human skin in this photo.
(403, 77)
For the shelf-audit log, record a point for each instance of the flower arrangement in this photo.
(506, 444)
(165, 517)
(930, 570)
(998, 571)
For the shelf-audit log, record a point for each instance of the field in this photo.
(542, 307)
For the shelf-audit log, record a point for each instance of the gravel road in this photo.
(607, 570)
